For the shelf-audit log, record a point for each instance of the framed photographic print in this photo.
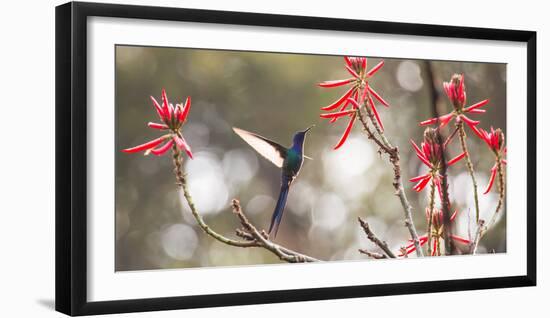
(209, 158)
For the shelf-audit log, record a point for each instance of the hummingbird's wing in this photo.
(269, 149)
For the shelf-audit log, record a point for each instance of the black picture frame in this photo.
(71, 157)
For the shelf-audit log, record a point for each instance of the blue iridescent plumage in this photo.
(290, 161)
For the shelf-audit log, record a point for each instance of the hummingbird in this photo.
(290, 161)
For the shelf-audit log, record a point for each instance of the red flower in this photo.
(357, 67)
(437, 233)
(495, 141)
(456, 92)
(430, 153)
(172, 119)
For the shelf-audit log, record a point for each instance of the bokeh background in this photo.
(275, 94)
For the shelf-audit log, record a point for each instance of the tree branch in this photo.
(481, 227)
(372, 254)
(373, 238)
(469, 165)
(394, 158)
(445, 202)
(252, 237)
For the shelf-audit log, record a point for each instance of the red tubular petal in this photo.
(484, 136)
(434, 249)
(409, 251)
(475, 130)
(352, 72)
(491, 180)
(456, 159)
(375, 68)
(418, 178)
(426, 149)
(461, 96)
(348, 61)
(445, 119)
(425, 161)
(504, 161)
(378, 118)
(421, 185)
(186, 108)
(337, 114)
(423, 239)
(477, 105)
(166, 105)
(420, 155)
(411, 248)
(340, 100)
(171, 110)
(468, 120)
(416, 148)
(371, 102)
(162, 149)
(428, 122)
(351, 100)
(159, 109)
(147, 145)
(364, 63)
(373, 92)
(157, 126)
(346, 132)
(182, 144)
(353, 103)
(476, 111)
(447, 87)
(453, 216)
(336, 83)
(460, 239)
(177, 112)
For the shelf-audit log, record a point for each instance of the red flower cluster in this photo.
(359, 91)
(173, 119)
(456, 92)
(437, 233)
(430, 153)
(495, 141)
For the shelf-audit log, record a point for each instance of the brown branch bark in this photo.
(250, 235)
(445, 204)
(469, 164)
(394, 158)
(482, 227)
(372, 254)
(373, 238)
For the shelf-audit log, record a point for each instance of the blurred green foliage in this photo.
(275, 95)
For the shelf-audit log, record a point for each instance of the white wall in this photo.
(27, 156)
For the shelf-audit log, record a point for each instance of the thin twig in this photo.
(252, 237)
(372, 254)
(283, 253)
(430, 214)
(501, 191)
(482, 228)
(445, 202)
(479, 233)
(394, 158)
(373, 238)
(181, 179)
(469, 165)
(450, 138)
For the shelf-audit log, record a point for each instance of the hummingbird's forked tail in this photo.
(279, 209)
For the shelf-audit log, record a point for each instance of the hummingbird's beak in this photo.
(305, 131)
